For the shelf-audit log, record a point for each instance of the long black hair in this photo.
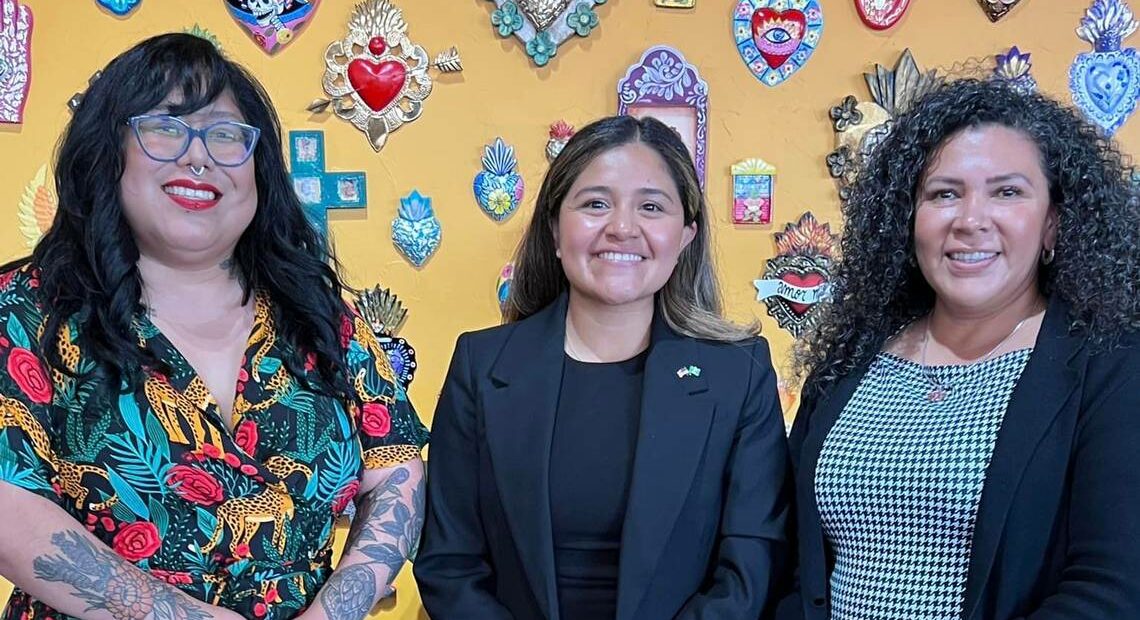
(87, 260)
(878, 287)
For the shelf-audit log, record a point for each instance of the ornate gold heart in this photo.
(542, 13)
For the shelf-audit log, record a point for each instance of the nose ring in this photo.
(197, 170)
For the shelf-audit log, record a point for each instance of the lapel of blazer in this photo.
(519, 410)
(821, 418)
(676, 414)
(1049, 380)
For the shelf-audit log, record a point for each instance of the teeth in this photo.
(620, 257)
(972, 257)
(196, 194)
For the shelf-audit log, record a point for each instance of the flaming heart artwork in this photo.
(375, 77)
(798, 277)
(1106, 82)
(776, 37)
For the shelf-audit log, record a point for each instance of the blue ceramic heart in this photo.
(119, 7)
(1106, 85)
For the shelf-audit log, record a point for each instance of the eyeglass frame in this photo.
(133, 123)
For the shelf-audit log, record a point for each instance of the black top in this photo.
(591, 460)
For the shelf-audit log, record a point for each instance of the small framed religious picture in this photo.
(667, 87)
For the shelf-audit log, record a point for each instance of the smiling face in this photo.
(177, 217)
(982, 220)
(621, 227)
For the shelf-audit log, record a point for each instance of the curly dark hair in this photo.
(87, 260)
(877, 286)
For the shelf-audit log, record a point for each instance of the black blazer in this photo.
(705, 527)
(1058, 528)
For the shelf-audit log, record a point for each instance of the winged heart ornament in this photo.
(375, 77)
(1106, 82)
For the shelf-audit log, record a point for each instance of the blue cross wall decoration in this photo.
(319, 190)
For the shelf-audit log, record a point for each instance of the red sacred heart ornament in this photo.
(881, 14)
(777, 34)
(806, 280)
(377, 83)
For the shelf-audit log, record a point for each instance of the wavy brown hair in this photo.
(690, 302)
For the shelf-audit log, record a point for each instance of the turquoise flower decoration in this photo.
(541, 48)
(582, 19)
(507, 18)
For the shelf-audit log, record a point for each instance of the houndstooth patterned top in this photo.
(898, 484)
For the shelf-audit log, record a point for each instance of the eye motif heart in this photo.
(777, 34)
(775, 43)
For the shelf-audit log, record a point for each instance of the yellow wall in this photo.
(501, 94)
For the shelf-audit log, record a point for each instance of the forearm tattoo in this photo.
(107, 582)
(386, 530)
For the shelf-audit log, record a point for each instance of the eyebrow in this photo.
(1001, 178)
(603, 189)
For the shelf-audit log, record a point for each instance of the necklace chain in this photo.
(940, 390)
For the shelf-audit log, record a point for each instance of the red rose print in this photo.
(241, 550)
(248, 469)
(232, 460)
(345, 496)
(346, 330)
(195, 485)
(174, 578)
(136, 541)
(246, 436)
(310, 362)
(25, 368)
(6, 278)
(260, 610)
(211, 450)
(376, 421)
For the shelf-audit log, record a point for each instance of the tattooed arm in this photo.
(54, 559)
(384, 534)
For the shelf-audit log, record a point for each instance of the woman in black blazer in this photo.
(616, 449)
(967, 446)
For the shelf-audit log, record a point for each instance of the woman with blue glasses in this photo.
(186, 402)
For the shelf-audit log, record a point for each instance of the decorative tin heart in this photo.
(997, 9)
(798, 277)
(416, 231)
(377, 83)
(1106, 82)
(543, 25)
(776, 38)
(1106, 86)
(777, 34)
(498, 187)
(273, 24)
(542, 13)
(119, 7)
(881, 14)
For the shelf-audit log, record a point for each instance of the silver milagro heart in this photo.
(542, 13)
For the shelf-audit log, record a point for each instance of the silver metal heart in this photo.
(542, 13)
